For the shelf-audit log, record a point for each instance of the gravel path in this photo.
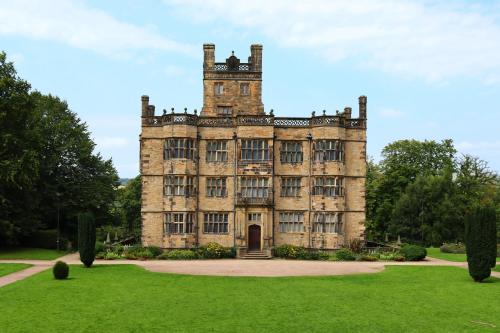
(236, 267)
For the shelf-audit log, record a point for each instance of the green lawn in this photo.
(435, 252)
(30, 253)
(11, 268)
(123, 298)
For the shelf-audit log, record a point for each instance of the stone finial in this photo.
(337, 112)
(171, 110)
(271, 113)
(185, 110)
(313, 113)
(195, 112)
(324, 112)
(164, 112)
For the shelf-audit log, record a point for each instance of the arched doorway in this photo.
(254, 237)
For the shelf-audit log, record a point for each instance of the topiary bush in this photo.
(413, 252)
(345, 255)
(60, 270)
(480, 238)
(452, 248)
(86, 238)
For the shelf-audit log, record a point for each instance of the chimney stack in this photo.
(362, 107)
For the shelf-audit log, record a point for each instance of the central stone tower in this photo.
(232, 88)
(243, 178)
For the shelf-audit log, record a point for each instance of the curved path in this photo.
(236, 267)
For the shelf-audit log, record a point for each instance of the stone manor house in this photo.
(239, 176)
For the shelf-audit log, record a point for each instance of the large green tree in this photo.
(426, 211)
(47, 163)
(402, 162)
(19, 161)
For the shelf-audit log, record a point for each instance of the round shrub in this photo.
(345, 254)
(413, 252)
(60, 270)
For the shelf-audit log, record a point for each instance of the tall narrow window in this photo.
(224, 110)
(179, 223)
(328, 186)
(218, 88)
(291, 152)
(216, 223)
(254, 187)
(291, 222)
(180, 148)
(328, 223)
(216, 187)
(328, 150)
(290, 186)
(255, 150)
(217, 151)
(244, 89)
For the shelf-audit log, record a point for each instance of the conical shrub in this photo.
(86, 238)
(480, 238)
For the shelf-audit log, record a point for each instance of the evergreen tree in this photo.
(480, 226)
(86, 238)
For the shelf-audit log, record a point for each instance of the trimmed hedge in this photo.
(413, 252)
(289, 251)
(179, 255)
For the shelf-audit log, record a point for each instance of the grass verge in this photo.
(6, 269)
(126, 298)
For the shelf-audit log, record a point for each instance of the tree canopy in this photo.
(48, 162)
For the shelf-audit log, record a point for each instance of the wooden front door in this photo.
(254, 237)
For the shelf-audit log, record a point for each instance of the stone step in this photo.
(255, 255)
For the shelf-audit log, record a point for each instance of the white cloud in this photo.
(435, 41)
(492, 147)
(75, 24)
(390, 113)
(108, 142)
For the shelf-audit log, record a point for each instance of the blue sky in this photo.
(430, 69)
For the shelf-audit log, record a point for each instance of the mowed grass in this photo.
(127, 298)
(11, 268)
(435, 252)
(30, 253)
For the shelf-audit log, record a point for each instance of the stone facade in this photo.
(241, 177)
